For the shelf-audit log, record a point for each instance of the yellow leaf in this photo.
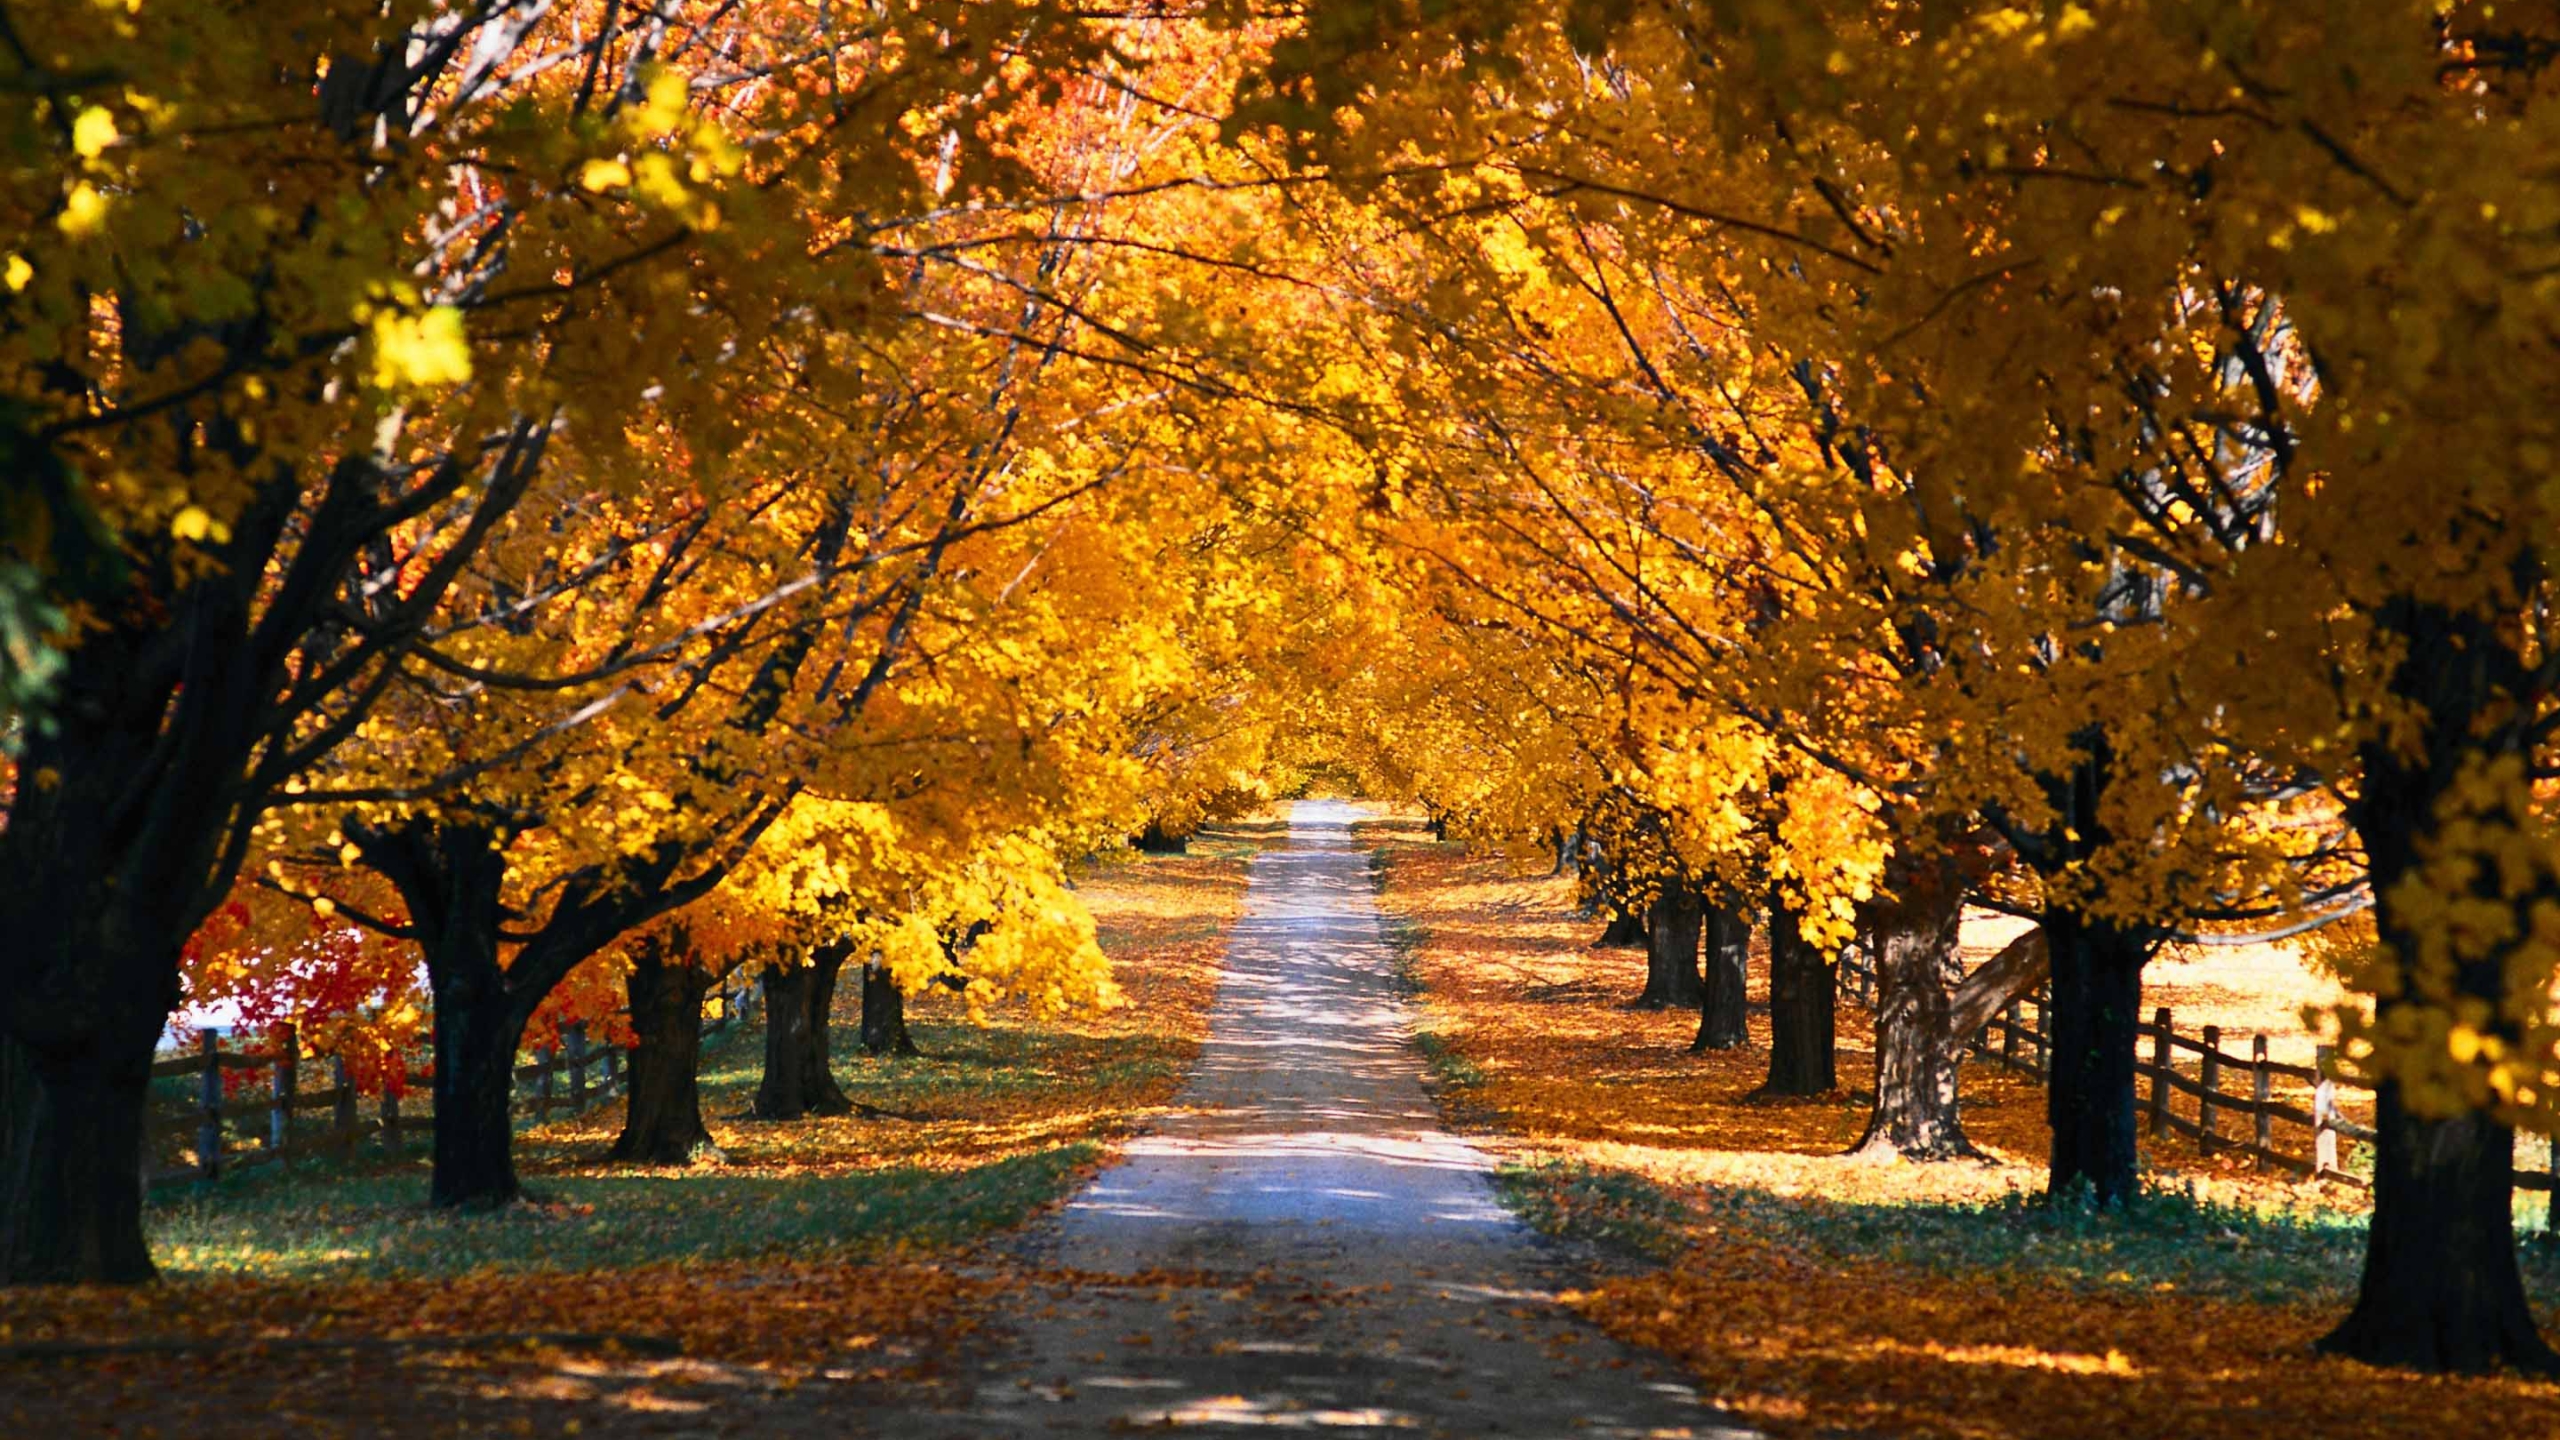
(197, 523)
(421, 350)
(602, 175)
(93, 132)
(84, 212)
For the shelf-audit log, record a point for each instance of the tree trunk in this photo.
(797, 1079)
(662, 1124)
(1913, 939)
(1723, 1012)
(1671, 979)
(1802, 993)
(827, 966)
(75, 1192)
(477, 1031)
(2089, 1088)
(1625, 930)
(453, 878)
(884, 1014)
(2441, 1290)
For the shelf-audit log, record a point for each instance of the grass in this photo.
(1618, 1209)
(374, 1226)
(988, 1126)
(1811, 1293)
(2168, 1239)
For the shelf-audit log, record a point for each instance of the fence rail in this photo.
(2018, 1038)
(593, 1074)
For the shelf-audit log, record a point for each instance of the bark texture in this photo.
(452, 877)
(1724, 1018)
(2089, 1088)
(662, 1124)
(1803, 992)
(884, 1015)
(799, 1001)
(75, 1213)
(1671, 978)
(1912, 937)
(2441, 1289)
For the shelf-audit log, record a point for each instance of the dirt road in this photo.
(1305, 1247)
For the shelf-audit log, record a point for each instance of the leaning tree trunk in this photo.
(884, 1014)
(1913, 940)
(1802, 993)
(662, 1124)
(798, 1000)
(1724, 1021)
(2441, 1288)
(2096, 1019)
(1671, 979)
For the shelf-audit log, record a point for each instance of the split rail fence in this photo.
(566, 1079)
(2235, 1107)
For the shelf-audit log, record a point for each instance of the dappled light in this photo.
(988, 718)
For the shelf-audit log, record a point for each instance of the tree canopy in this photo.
(501, 494)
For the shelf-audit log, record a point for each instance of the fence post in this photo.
(2009, 1033)
(2206, 1106)
(209, 1097)
(391, 1112)
(2160, 1070)
(343, 1114)
(286, 1085)
(2324, 1115)
(609, 1058)
(2261, 1090)
(543, 1060)
(577, 1038)
(2551, 1197)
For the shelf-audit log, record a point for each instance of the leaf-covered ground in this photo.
(816, 1268)
(1813, 1293)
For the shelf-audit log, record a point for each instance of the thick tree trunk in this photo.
(1913, 940)
(2441, 1290)
(477, 1032)
(798, 1000)
(453, 878)
(662, 1124)
(884, 1014)
(1724, 1017)
(1671, 979)
(2089, 1089)
(1156, 840)
(75, 1192)
(1803, 990)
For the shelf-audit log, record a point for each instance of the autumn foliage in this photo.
(512, 513)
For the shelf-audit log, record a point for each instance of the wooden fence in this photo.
(571, 1077)
(2225, 1090)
